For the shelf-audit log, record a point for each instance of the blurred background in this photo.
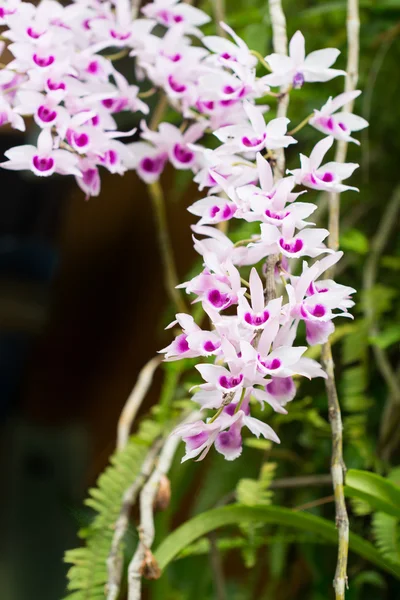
(83, 307)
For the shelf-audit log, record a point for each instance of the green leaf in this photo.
(355, 241)
(234, 514)
(378, 492)
(387, 337)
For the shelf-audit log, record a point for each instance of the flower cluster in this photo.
(64, 74)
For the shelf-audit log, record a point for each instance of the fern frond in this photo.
(386, 533)
(88, 573)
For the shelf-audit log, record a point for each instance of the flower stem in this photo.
(303, 123)
(260, 59)
(170, 275)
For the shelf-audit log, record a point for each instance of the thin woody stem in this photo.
(135, 400)
(170, 275)
(115, 561)
(219, 12)
(280, 44)
(338, 468)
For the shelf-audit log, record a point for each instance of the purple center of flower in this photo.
(152, 165)
(292, 247)
(217, 299)
(252, 142)
(55, 85)
(43, 164)
(271, 365)
(5, 11)
(209, 346)
(230, 382)
(81, 139)
(280, 386)
(328, 177)
(228, 56)
(119, 36)
(89, 176)
(33, 34)
(175, 86)
(278, 216)
(195, 441)
(298, 81)
(43, 61)
(256, 319)
(93, 67)
(46, 114)
(182, 154)
(342, 126)
(181, 342)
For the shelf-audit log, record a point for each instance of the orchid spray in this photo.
(64, 73)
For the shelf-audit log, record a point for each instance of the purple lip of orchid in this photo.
(328, 177)
(253, 142)
(228, 383)
(3, 118)
(33, 34)
(271, 365)
(217, 299)
(291, 247)
(5, 11)
(280, 386)
(277, 216)
(55, 85)
(93, 67)
(209, 346)
(43, 61)
(43, 164)
(111, 157)
(256, 320)
(90, 176)
(172, 57)
(229, 89)
(79, 140)
(182, 154)
(298, 81)
(195, 441)
(168, 17)
(152, 165)
(342, 126)
(181, 343)
(46, 114)
(175, 86)
(318, 311)
(119, 36)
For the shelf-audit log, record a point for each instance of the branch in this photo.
(353, 50)
(134, 401)
(143, 562)
(165, 246)
(278, 23)
(337, 463)
(115, 559)
(280, 44)
(219, 12)
(337, 469)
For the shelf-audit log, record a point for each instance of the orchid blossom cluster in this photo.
(64, 74)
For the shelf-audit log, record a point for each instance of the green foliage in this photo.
(235, 514)
(380, 493)
(251, 492)
(88, 575)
